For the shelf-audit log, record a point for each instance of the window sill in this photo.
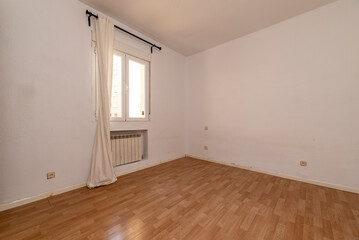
(130, 120)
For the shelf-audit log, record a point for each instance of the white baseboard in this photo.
(20, 202)
(305, 180)
(120, 172)
(24, 201)
(41, 196)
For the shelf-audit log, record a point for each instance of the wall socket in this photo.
(50, 175)
(303, 163)
(205, 147)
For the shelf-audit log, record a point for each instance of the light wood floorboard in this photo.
(190, 199)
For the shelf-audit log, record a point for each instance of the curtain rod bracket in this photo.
(90, 14)
(89, 20)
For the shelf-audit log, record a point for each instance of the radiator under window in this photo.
(126, 148)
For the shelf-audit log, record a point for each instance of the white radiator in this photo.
(126, 148)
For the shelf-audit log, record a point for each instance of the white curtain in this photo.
(102, 172)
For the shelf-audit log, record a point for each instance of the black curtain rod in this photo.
(90, 14)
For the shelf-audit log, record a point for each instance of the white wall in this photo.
(287, 93)
(272, 98)
(46, 121)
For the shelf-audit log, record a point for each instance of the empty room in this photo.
(179, 119)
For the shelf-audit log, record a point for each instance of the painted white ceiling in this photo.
(191, 26)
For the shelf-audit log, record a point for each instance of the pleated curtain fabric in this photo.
(102, 172)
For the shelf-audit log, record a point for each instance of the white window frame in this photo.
(125, 51)
(147, 89)
(128, 52)
(123, 118)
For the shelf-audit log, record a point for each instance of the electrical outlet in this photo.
(303, 163)
(205, 147)
(205, 128)
(50, 175)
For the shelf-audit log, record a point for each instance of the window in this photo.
(130, 88)
(117, 95)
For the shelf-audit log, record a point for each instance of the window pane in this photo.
(116, 98)
(137, 93)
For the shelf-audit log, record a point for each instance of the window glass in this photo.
(137, 93)
(117, 91)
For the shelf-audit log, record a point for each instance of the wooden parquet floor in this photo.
(190, 199)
